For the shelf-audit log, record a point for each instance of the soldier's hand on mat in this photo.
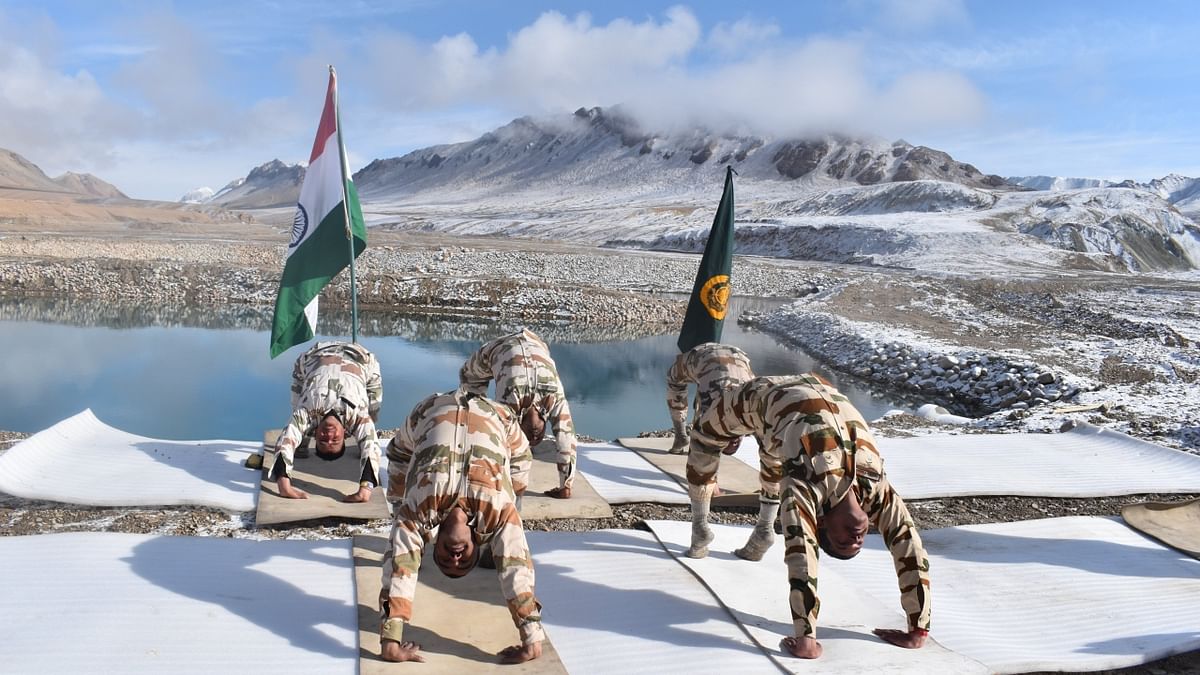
(559, 493)
(286, 489)
(390, 650)
(363, 495)
(912, 639)
(520, 653)
(803, 647)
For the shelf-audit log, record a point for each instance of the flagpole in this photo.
(337, 115)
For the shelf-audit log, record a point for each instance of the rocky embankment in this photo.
(967, 382)
(598, 289)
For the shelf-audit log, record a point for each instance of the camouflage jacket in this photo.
(341, 377)
(712, 367)
(459, 449)
(827, 450)
(520, 364)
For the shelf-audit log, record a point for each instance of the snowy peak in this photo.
(1181, 192)
(607, 149)
(198, 196)
(269, 185)
(1058, 183)
(87, 184)
(1135, 227)
(866, 163)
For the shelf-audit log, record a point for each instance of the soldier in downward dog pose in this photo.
(527, 381)
(458, 466)
(336, 390)
(833, 488)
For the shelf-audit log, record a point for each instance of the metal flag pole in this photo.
(337, 116)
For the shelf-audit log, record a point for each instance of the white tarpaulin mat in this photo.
(1085, 462)
(81, 460)
(127, 603)
(613, 601)
(1077, 594)
(757, 594)
(621, 476)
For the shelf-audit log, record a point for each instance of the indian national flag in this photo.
(327, 216)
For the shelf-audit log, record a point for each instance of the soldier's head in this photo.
(841, 531)
(533, 420)
(331, 437)
(455, 551)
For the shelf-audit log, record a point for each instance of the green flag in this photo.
(327, 214)
(710, 296)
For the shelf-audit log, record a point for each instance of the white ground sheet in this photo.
(1079, 593)
(615, 602)
(81, 460)
(621, 476)
(127, 603)
(1085, 462)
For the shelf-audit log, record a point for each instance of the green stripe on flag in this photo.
(308, 270)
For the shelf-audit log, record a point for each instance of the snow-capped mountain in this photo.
(597, 178)
(198, 196)
(270, 185)
(607, 150)
(1056, 183)
(1180, 191)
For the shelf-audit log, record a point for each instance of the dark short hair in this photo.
(827, 546)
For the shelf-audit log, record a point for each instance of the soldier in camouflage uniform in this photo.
(833, 488)
(714, 368)
(336, 390)
(459, 464)
(527, 380)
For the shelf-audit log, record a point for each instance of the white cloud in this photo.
(741, 36)
(766, 85)
(55, 119)
(929, 100)
(171, 114)
(920, 15)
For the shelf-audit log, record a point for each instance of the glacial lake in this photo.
(197, 373)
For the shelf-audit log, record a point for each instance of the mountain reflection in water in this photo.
(182, 372)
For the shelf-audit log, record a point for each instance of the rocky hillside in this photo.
(1179, 191)
(87, 184)
(270, 185)
(22, 174)
(597, 147)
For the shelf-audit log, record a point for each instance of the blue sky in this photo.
(160, 98)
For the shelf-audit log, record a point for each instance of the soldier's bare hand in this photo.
(803, 647)
(286, 489)
(559, 493)
(913, 639)
(397, 652)
(363, 495)
(520, 653)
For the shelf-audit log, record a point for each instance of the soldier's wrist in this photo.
(365, 484)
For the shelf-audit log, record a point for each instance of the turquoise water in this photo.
(188, 373)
